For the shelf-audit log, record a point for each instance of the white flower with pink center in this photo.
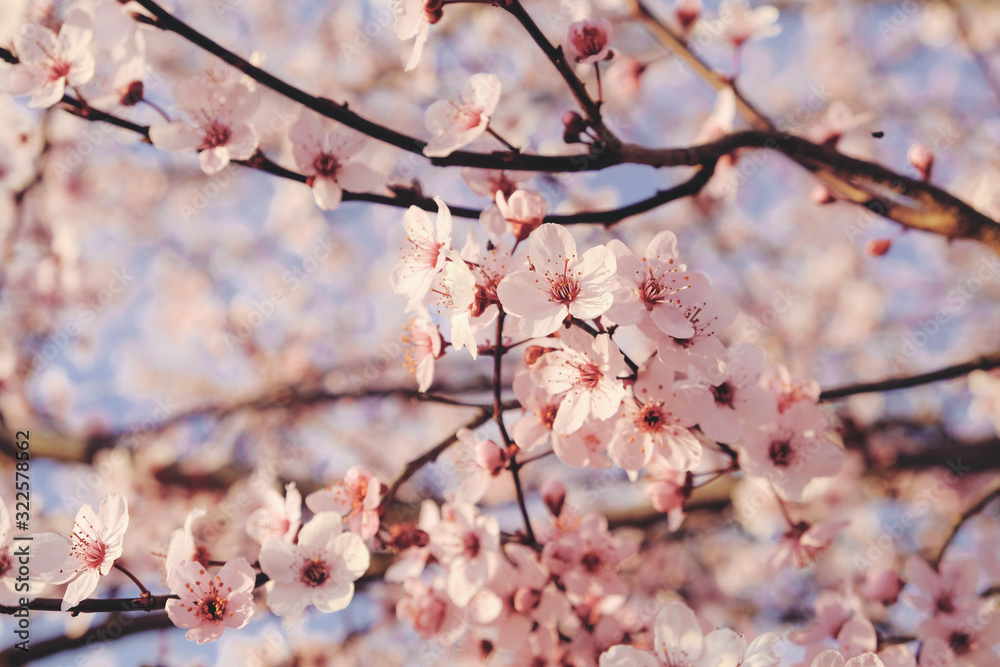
(728, 404)
(423, 345)
(182, 547)
(467, 544)
(790, 452)
(325, 157)
(319, 570)
(651, 291)
(425, 258)
(655, 420)
(681, 642)
(523, 211)
(585, 372)
(217, 125)
(457, 123)
(49, 63)
(279, 517)
(357, 497)
(588, 560)
(412, 21)
(208, 605)
(559, 282)
(708, 311)
(94, 546)
(943, 592)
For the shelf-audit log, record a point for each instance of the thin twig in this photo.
(905, 382)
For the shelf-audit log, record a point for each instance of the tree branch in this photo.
(891, 384)
(991, 492)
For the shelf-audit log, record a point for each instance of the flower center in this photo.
(591, 561)
(58, 70)
(548, 415)
(216, 134)
(471, 545)
(315, 573)
(945, 605)
(651, 419)
(212, 608)
(5, 563)
(652, 293)
(591, 40)
(590, 375)
(88, 550)
(724, 394)
(960, 643)
(326, 164)
(564, 290)
(781, 453)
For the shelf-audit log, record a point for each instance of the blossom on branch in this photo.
(49, 62)
(208, 605)
(589, 41)
(459, 122)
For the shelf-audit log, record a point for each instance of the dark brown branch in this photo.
(950, 372)
(115, 627)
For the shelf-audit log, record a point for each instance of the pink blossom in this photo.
(49, 63)
(433, 615)
(650, 291)
(319, 570)
(94, 546)
(467, 544)
(790, 452)
(559, 282)
(208, 605)
(412, 21)
(585, 447)
(681, 642)
(709, 312)
(668, 490)
(655, 420)
(585, 372)
(424, 345)
(429, 243)
(962, 640)
(279, 517)
(182, 547)
(457, 123)
(733, 400)
(523, 211)
(741, 23)
(588, 560)
(831, 658)
(945, 592)
(488, 182)
(218, 124)
(478, 462)
(802, 542)
(833, 610)
(357, 497)
(528, 594)
(325, 158)
(589, 41)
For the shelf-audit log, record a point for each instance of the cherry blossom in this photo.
(802, 542)
(528, 593)
(356, 497)
(324, 156)
(218, 124)
(182, 547)
(426, 257)
(208, 605)
(319, 570)
(94, 545)
(585, 372)
(790, 452)
(49, 62)
(964, 640)
(709, 312)
(432, 613)
(523, 211)
(655, 420)
(457, 123)
(680, 642)
(588, 560)
(412, 20)
(668, 490)
(279, 517)
(589, 41)
(723, 405)
(467, 544)
(741, 23)
(423, 346)
(945, 592)
(560, 283)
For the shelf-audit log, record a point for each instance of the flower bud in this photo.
(554, 495)
(490, 457)
(921, 157)
(589, 41)
(877, 247)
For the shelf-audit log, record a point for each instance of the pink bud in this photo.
(687, 13)
(533, 353)
(589, 41)
(822, 195)
(922, 158)
(882, 586)
(574, 126)
(877, 247)
(491, 457)
(554, 495)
